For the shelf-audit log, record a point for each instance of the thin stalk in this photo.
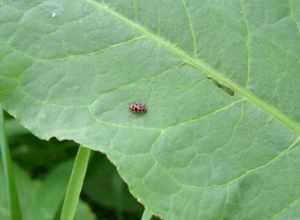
(14, 205)
(146, 215)
(75, 184)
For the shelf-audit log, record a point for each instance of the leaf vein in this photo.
(202, 117)
(292, 15)
(243, 12)
(90, 53)
(191, 27)
(286, 208)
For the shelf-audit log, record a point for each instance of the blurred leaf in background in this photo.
(41, 198)
(36, 155)
(104, 187)
(84, 212)
(42, 171)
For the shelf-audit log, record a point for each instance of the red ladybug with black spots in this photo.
(137, 108)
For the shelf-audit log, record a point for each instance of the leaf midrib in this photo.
(203, 67)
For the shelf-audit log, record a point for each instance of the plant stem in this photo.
(75, 184)
(146, 215)
(14, 205)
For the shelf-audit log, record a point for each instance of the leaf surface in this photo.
(221, 81)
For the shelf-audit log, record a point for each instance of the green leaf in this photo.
(41, 199)
(221, 82)
(84, 212)
(104, 186)
(14, 128)
(147, 215)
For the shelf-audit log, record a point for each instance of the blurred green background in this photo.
(42, 171)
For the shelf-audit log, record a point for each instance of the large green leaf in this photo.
(220, 78)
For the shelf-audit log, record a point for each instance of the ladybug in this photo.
(137, 108)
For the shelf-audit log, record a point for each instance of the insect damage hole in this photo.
(226, 89)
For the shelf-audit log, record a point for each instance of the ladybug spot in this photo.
(137, 108)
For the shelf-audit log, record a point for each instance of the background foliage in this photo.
(42, 169)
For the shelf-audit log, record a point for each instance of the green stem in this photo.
(146, 215)
(14, 205)
(75, 184)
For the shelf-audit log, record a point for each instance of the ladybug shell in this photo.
(137, 108)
